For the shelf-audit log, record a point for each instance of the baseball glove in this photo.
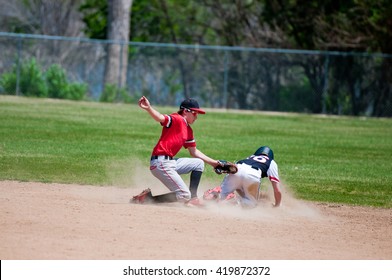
(226, 167)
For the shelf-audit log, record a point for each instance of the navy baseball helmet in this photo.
(265, 150)
(191, 104)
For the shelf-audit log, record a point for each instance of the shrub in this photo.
(76, 91)
(31, 80)
(112, 93)
(59, 87)
(109, 93)
(56, 81)
(8, 83)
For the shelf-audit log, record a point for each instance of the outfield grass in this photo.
(329, 159)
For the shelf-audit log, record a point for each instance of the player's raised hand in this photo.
(144, 103)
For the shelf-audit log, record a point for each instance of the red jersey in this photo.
(176, 133)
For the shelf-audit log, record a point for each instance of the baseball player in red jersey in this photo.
(177, 133)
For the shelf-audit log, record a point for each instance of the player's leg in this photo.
(194, 182)
(249, 195)
(229, 184)
(246, 185)
(195, 166)
(250, 188)
(253, 189)
(165, 171)
(187, 165)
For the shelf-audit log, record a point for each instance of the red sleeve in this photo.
(168, 121)
(190, 140)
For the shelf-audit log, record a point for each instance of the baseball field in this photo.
(68, 170)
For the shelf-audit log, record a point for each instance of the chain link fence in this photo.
(339, 83)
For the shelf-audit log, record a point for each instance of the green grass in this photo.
(328, 159)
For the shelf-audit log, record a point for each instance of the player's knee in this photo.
(199, 165)
(248, 203)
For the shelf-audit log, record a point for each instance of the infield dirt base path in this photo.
(58, 221)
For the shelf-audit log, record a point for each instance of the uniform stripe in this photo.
(169, 122)
(274, 179)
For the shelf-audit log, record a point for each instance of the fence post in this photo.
(225, 79)
(120, 72)
(325, 87)
(19, 48)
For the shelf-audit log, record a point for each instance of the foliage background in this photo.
(353, 82)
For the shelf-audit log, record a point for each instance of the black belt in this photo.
(254, 167)
(165, 157)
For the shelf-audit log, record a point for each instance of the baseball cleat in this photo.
(194, 202)
(231, 199)
(143, 197)
(212, 194)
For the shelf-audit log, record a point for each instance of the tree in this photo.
(44, 17)
(118, 35)
(48, 17)
(95, 16)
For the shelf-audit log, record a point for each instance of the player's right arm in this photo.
(145, 105)
(273, 176)
(277, 193)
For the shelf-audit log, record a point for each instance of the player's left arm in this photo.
(194, 152)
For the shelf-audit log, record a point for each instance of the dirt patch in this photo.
(59, 221)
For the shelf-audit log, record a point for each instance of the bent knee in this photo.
(199, 165)
(248, 203)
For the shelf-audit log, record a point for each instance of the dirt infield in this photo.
(58, 221)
